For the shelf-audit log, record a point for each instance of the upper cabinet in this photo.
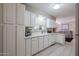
(20, 14)
(50, 23)
(33, 18)
(27, 18)
(13, 13)
(40, 20)
(9, 13)
(30, 19)
(1, 13)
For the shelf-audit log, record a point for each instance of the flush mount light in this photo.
(56, 6)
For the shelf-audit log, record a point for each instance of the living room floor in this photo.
(59, 50)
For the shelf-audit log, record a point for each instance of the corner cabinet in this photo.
(60, 38)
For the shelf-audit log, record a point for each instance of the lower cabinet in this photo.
(28, 47)
(45, 41)
(9, 40)
(60, 38)
(1, 40)
(34, 45)
(20, 41)
(51, 39)
(40, 43)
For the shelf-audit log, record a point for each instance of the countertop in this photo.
(40, 34)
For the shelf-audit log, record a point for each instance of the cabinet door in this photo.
(60, 38)
(20, 14)
(34, 45)
(51, 39)
(48, 21)
(45, 41)
(1, 13)
(9, 40)
(41, 43)
(1, 40)
(54, 24)
(9, 13)
(27, 18)
(20, 41)
(33, 19)
(28, 47)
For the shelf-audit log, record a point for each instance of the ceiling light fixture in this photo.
(56, 6)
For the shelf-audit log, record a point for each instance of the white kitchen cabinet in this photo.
(1, 40)
(27, 18)
(40, 20)
(20, 41)
(54, 24)
(33, 18)
(9, 13)
(50, 23)
(34, 45)
(41, 43)
(20, 14)
(9, 40)
(51, 39)
(1, 13)
(45, 41)
(60, 38)
(54, 38)
(28, 47)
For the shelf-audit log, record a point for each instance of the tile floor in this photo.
(58, 50)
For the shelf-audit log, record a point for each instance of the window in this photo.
(65, 26)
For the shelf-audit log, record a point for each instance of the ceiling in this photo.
(66, 9)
